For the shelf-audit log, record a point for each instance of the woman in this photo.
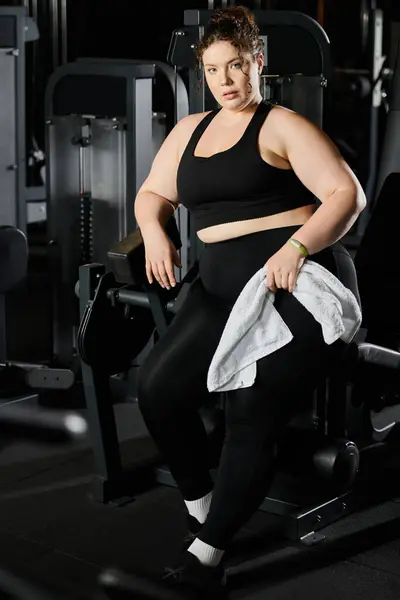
(248, 173)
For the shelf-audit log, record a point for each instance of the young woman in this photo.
(248, 173)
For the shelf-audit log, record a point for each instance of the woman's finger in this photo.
(149, 273)
(278, 279)
(157, 274)
(163, 276)
(169, 268)
(285, 281)
(271, 281)
(292, 282)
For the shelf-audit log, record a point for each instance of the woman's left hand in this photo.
(283, 268)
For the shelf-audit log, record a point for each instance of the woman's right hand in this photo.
(161, 256)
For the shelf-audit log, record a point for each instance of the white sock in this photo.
(199, 508)
(207, 555)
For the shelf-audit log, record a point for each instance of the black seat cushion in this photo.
(13, 257)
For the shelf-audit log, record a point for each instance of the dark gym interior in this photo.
(89, 91)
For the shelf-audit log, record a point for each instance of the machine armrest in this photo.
(127, 257)
(371, 354)
(363, 357)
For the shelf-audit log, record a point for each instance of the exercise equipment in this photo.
(18, 378)
(102, 136)
(332, 442)
(16, 30)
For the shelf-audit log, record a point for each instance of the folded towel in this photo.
(255, 329)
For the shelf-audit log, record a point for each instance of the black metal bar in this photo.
(100, 411)
(89, 277)
(158, 310)
(134, 298)
(102, 426)
(3, 330)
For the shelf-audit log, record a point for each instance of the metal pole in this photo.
(34, 9)
(53, 13)
(64, 32)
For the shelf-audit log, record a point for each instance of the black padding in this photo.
(13, 257)
(100, 95)
(371, 354)
(127, 257)
(377, 261)
(109, 338)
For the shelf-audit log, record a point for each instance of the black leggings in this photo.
(172, 382)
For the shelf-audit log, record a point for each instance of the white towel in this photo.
(255, 328)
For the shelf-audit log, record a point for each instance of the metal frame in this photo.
(182, 109)
(139, 75)
(274, 18)
(54, 13)
(64, 268)
(24, 31)
(377, 59)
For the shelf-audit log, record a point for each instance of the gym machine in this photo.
(21, 380)
(332, 451)
(101, 138)
(16, 30)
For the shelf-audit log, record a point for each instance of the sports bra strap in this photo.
(253, 129)
(200, 129)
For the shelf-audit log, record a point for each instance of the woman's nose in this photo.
(226, 80)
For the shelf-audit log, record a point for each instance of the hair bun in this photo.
(235, 24)
(239, 15)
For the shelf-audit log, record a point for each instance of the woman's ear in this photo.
(260, 63)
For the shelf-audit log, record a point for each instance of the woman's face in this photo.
(233, 80)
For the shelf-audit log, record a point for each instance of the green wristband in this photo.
(299, 247)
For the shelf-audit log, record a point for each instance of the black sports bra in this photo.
(236, 184)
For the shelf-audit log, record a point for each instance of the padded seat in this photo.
(13, 257)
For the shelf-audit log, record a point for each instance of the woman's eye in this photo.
(237, 65)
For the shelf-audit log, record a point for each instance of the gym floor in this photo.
(52, 532)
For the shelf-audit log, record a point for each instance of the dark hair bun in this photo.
(235, 24)
(236, 15)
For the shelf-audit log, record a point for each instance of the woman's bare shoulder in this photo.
(190, 122)
(186, 127)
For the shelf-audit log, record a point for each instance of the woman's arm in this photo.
(157, 198)
(319, 165)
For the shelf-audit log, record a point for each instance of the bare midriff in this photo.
(227, 231)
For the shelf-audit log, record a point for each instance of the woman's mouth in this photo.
(230, 95)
